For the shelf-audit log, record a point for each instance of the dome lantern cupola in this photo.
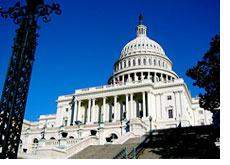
(141, 29)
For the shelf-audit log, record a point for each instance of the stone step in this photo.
(105, 151)
(192, 142)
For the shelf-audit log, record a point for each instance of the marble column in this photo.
(88, 112)
(115, 109)
(131, 106)
(155, 77)
(104, 112)
(153, 106)
(177, 105)
(75, 112)
(127, 106)
(149, 103)
(132, 113)
(158, 106)
(144, 104)
(182, 107)
(78, 110)
(93, 112)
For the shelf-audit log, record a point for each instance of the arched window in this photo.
(163, 64)
(120, 65)
(144, 61)
(35, 140)
(150, 61)
(129, 63)
(154, 62)
(65, 122)
(139, 61)
(71, 137)
(124, 64)
(114, 136)
(159, 63)
(134, 62)
(52, 138)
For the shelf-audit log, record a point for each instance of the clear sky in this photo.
(78, 48)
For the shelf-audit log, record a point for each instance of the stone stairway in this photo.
(106, 151)
(175, 143)
(182, 143)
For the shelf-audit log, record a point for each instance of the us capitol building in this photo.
(142, 94)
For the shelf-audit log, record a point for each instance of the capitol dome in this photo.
(142, 58)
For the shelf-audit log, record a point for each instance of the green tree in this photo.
(207, 75)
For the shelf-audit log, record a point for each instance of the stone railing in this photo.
(52, 143)
(111, 85)
(59, 153)
(91, 140)
(69, 142)
(168, 82)
(72, 141)
(124, 138)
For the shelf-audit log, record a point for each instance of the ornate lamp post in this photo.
(150, 129)
(43, 132)
(16, 86)
(150, 124)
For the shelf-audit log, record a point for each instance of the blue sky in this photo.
(78, 48)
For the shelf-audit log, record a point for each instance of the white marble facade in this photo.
(143, 93)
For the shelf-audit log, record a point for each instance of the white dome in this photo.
(142, 56)
(142, 44)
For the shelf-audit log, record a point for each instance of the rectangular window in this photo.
(66, 109)
(170, 113)
(200, 112)
(66, 122)
(169, 97)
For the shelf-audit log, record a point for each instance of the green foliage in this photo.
(207, 75)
